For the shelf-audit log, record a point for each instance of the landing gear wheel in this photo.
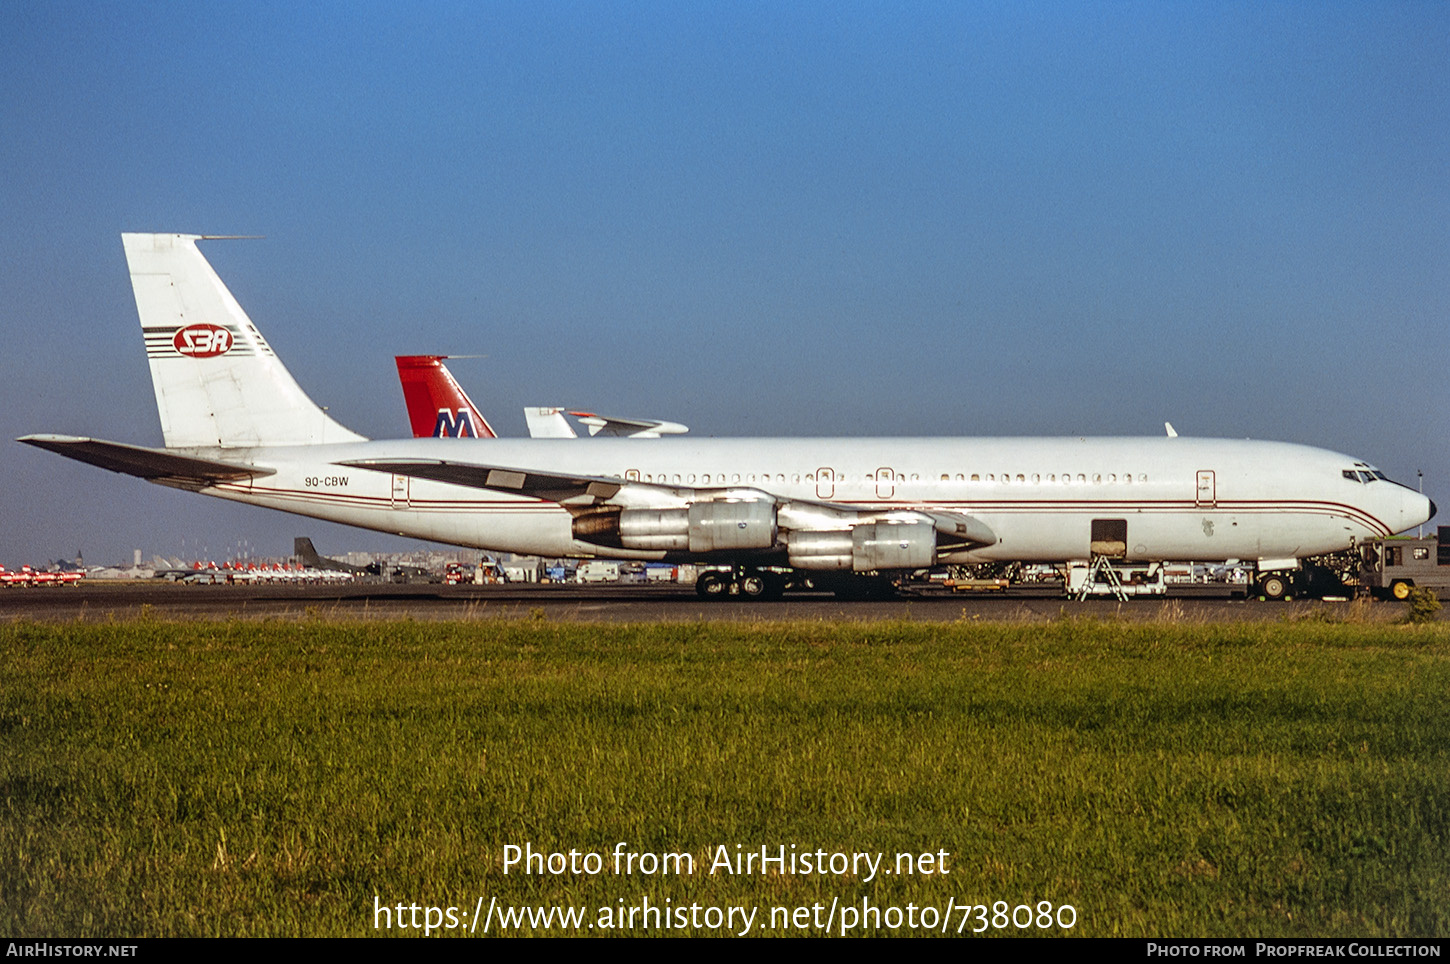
(1274, 587)
(712, 585)
(753, 586)
(1400, 590)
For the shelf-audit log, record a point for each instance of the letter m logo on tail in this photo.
(450, 425)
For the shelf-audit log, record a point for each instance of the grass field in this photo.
(1163, 779)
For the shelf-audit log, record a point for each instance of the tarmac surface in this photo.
(97, 602)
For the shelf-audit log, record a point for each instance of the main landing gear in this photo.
(749, 583)
(743, 582)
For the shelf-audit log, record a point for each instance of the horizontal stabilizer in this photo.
(613, 425)
(155, 465)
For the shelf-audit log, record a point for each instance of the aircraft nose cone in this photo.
(1433, 510)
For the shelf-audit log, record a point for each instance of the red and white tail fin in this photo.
(438, 407)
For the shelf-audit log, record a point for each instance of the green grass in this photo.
(1164, 779)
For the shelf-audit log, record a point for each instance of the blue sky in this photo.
(757, 219)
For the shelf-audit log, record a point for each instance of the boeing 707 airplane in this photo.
(237, 426)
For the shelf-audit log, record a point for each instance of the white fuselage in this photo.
(1181, 498)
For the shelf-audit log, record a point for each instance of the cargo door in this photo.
(401, 489)
(1110, 538)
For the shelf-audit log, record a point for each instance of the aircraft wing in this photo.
(154, 465)
(958, 528)
(539, 485)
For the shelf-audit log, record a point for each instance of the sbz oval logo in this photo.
(203, 341)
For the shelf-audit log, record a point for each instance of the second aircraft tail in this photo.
(438, 407)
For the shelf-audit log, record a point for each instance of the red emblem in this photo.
(203, 341)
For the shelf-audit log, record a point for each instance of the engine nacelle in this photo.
(702, 527)
(831, 549)
(720, 526)
(864, 548)
(667, 529)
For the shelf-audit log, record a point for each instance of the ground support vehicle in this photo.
(1392, 568)
(1108, 577)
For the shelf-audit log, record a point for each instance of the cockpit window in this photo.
(1366, 475)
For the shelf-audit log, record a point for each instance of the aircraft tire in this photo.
(753, 586)
(1274, 586)
(712, 585)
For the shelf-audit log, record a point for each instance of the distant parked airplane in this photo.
(306, 554)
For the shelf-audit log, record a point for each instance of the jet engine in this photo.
(864, 548)
(699, 527)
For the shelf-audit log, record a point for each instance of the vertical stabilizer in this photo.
(548, 423)
(438, 407)
(306, 552)
(217, 381)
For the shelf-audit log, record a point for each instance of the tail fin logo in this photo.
(448, 426)
(202, 341)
